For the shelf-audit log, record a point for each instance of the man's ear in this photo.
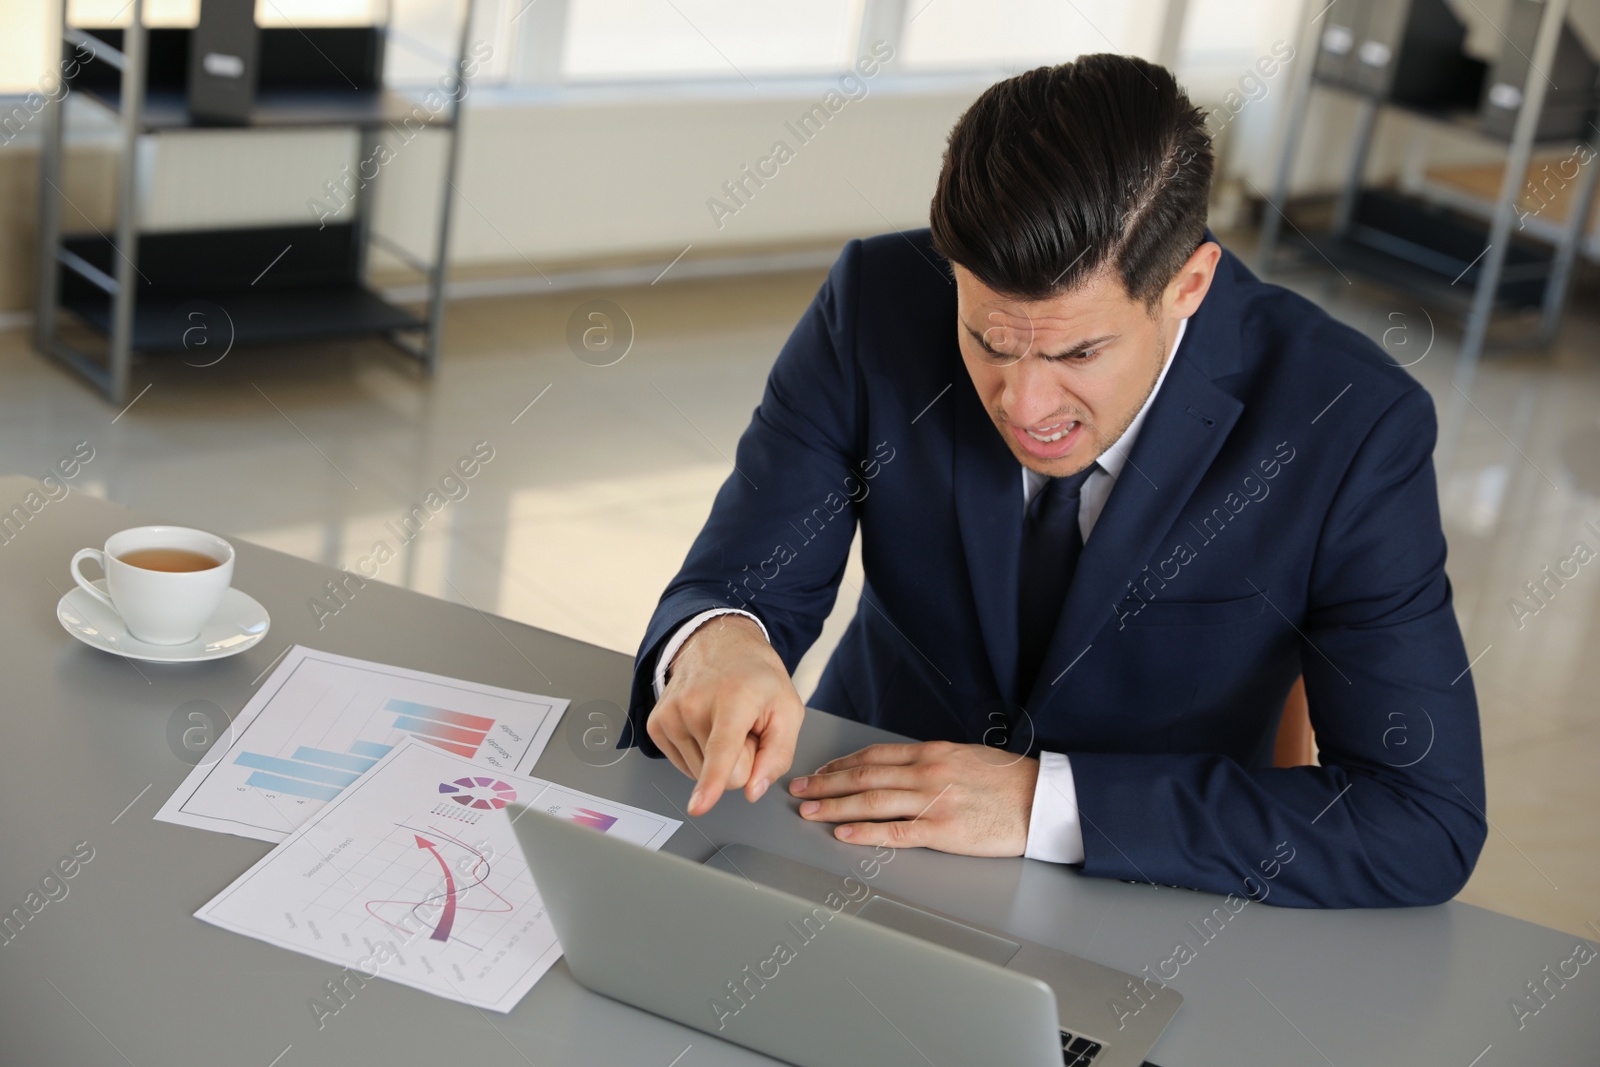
(1189, 286)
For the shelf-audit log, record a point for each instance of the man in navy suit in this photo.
(1115, 496)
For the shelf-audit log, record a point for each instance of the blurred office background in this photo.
(594, 135)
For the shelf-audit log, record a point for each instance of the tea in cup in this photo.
(164, 582)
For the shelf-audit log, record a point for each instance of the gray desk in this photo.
(118, 971)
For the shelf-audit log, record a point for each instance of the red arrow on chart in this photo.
(447, 918)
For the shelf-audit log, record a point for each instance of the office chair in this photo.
(1296, 745)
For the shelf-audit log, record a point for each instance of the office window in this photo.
(187, 12)
(423, 32)
(23, 38)
(118, 12)
(29, 53)
(1222, 38)
(29, 56)
(422, 38)
(1019, 34)
(730, 40)
(622, 39)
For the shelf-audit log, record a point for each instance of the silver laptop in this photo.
(822, 970)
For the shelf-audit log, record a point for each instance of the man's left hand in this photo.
(972, 800)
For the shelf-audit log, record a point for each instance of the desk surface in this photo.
(119, 971)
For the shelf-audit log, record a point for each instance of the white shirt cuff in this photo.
(671, 649)
(1055, 834)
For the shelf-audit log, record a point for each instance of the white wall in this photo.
(590, 174)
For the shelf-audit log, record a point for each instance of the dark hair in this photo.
(1053, 174)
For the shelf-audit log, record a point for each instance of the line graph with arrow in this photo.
(451, 898)
(447, 918)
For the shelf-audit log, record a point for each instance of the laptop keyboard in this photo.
(1077, 1051)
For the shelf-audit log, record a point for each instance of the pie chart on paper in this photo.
(479, 792)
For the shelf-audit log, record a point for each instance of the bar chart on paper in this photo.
(322, 721)
(320, 774)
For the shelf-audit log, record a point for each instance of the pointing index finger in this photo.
(722, 752)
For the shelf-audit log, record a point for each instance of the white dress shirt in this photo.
(1055, 830)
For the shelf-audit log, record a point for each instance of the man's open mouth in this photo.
(1051, 434)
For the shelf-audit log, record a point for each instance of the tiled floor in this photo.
(595, 491)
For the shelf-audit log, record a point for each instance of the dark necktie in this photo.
(1051, 544)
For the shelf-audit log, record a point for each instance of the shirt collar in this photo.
(1113, 459)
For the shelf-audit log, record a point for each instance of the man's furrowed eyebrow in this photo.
(978, 337)
(1081, 346)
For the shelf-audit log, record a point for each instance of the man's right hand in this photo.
(729, 716)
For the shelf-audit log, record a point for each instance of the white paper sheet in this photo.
(322, 720)
(398, 879)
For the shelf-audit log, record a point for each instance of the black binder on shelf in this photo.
(1409, 52)
(1412, 53)
(224, 60)
(1569, 95)
(1336, 49)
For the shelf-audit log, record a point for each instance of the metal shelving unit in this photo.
(105, 280)
(1506, 270)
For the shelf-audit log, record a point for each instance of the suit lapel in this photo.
(988, 499)
(1181, 434)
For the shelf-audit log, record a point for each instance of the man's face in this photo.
(1064, 376)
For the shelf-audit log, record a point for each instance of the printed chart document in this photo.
(414, 874)
(321, 721)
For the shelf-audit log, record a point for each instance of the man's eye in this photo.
(1077, 357)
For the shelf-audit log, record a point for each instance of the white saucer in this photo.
(240, 622)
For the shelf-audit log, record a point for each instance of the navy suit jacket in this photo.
(1277, 517)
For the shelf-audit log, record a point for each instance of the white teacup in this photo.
(164, 581)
